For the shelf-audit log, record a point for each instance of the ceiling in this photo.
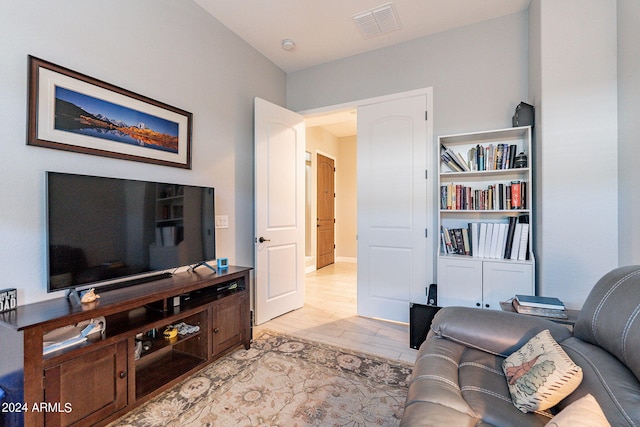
(325, 30)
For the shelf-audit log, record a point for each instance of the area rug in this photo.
(283, 381)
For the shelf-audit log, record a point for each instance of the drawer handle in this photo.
(216, 330)
(123, 374)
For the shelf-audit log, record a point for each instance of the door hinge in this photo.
(426, 115)
(426, 174)
(426, 232)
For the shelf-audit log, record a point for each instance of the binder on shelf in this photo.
(511, 229)
(495, 236)
(474, 230)
(482, 239)
(515, 247)
(540, 302)
(524, 238)
(487, 242)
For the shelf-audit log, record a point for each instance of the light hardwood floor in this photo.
(329, 316)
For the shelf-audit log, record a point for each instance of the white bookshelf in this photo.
(482, 276)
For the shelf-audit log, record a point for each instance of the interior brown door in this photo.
(326, 213)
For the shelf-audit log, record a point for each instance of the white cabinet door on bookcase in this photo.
(459, 282)
(502, 281)
(485, 217)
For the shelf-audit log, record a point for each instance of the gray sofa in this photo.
(457, 379)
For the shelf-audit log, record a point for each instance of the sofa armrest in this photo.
(493, 331)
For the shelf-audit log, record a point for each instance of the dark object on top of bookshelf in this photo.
(524, 115)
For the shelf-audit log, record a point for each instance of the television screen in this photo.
(108, 230)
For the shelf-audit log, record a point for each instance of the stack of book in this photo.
(540, 306)
(496, 196)
(480, 158)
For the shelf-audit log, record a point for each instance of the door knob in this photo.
(262, 240)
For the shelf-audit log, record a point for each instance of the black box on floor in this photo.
(420, 317)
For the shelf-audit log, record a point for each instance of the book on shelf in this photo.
(538, 311)
(455, 161)
(516, 195)
(480, 157)
(488, 239)
(497, 196)
(552, 303)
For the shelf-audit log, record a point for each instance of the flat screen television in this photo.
(118, 232)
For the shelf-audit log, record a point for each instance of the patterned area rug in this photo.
(283, 381)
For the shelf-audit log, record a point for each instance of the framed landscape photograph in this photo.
(71, 111)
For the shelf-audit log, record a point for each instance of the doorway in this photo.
(331, 209)
(393, 200)
(380, 136)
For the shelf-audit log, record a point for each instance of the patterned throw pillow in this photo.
(540, 374)
(584, 412)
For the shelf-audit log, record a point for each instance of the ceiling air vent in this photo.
(382, 19)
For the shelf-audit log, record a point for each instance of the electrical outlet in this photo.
(222, 221)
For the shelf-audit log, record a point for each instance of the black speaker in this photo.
(420, 317)
(524, 115)
(432, 294)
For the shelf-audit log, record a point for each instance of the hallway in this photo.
(329, 316)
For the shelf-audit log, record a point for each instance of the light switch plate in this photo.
(222, 221)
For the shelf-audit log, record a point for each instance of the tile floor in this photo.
(329, 316)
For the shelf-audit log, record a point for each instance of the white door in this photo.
(395, 253)
(279, 210)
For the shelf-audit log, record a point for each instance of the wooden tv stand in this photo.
(99, 380)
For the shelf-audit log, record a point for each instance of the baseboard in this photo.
(352, 260)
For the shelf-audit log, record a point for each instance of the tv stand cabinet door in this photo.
(88, 388)
(229, 329)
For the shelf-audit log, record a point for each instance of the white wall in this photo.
(574, 88)
(478, 74)
(347, 200)
(169, 50)
(629, 130)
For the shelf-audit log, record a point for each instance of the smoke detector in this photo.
(288, 44)
(380, 20)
